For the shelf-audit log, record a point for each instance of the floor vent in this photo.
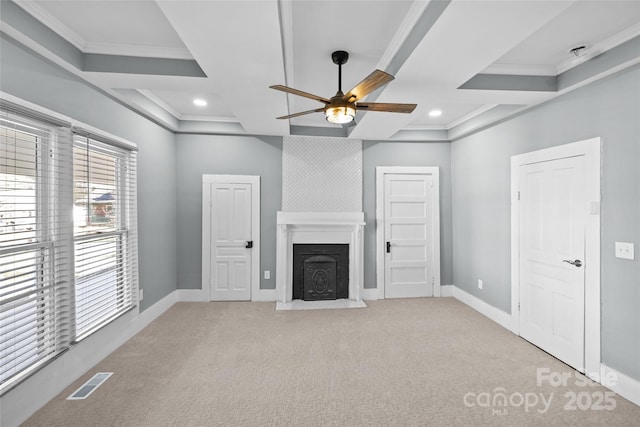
(90, 386)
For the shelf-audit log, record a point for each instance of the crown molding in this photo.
(605, 45)
(221, 119)
(137, 50)
(36, 47)
(453, 124)
(554, 70)
(52, 23)
(159, 102)
(424, 127)
(183, 117)
(521, 69)
(471, 115)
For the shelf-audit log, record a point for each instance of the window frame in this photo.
(46, 344)
(121, 232)
(54, 193)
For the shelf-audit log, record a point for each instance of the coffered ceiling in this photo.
(475, 61)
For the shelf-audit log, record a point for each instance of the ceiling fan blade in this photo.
(290, 116)
(299, 93)
(372, 82)
(388, 107)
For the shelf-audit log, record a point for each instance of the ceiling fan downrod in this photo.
(340, 57)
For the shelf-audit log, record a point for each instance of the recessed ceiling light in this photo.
(200, 102)
(435, 113)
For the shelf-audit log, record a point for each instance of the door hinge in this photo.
(518, 306)
(518, 195)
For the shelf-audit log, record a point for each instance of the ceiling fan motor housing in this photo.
(340, 57)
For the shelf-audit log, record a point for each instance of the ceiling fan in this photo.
(341, 108)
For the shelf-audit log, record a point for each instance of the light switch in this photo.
(267, 274)
(624, 250)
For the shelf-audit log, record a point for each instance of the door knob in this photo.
(249, 244)
(388, 247)
(576, 263)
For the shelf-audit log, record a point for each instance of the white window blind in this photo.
(68, 237)
(35, 245)
(105, 235)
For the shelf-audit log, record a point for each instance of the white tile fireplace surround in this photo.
(313, 228)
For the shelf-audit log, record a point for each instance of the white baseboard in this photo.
(26, 398)
(265, 295)
(500, 317)
(152, 313)
(620, 383)
(198, 295)
(370, 294)
(191, 295)
(446, 290)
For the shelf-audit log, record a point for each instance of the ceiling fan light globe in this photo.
(340, 114)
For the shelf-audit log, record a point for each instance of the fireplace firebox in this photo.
(320, 271)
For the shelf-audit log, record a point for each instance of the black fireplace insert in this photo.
(320, 271)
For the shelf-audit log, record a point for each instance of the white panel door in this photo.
(230, 235)
(408, 217)
(553, 213)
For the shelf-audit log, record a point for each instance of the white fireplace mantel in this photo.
(319, 227)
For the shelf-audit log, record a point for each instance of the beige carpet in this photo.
(395, 363)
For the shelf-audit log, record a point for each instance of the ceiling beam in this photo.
(239, 48)
(460, 44)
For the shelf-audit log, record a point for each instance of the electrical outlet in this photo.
(624, 250)
(140, 294)
(480, 284)
(267, 274)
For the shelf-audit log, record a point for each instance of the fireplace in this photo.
(320, 271)
(298, 230)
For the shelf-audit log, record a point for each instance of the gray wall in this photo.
(211, 154)
(197, 155)
(32, 78)
(381, 153)
(481, 202)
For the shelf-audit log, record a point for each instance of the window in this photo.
(103, 269)
(31, 328)
(68, 238)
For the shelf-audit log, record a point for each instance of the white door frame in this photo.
(590, 149)
(207, 250)
(380, 245)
